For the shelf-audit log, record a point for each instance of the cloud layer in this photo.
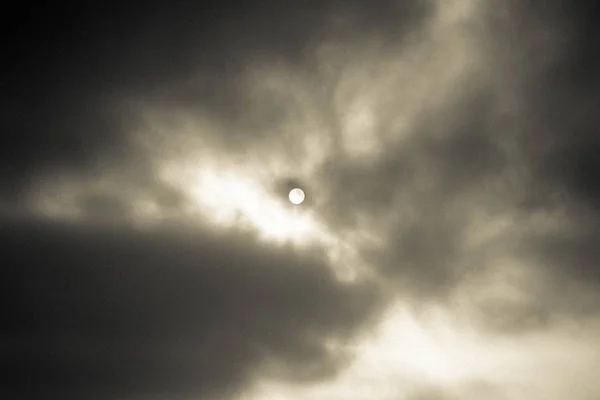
(447, 248)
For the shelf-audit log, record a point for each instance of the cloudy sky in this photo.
(448, 247)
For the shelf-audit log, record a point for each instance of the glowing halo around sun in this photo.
(296, 196)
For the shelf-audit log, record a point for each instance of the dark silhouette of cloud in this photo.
(94, 311)
(482, 185)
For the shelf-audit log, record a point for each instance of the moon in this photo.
(296, 196)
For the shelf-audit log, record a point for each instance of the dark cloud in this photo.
(563, 151)
(420, 184)
(91, 311)
(541, 160)
(99, 309)
(69, 69)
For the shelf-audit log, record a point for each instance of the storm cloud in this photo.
(448, 246)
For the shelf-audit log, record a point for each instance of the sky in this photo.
(447, 249)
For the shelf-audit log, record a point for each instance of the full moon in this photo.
(296, 196)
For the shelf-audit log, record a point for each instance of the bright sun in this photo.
(229, 198)
(296, 196)
(233, 200)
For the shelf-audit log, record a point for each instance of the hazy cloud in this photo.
(448, 247)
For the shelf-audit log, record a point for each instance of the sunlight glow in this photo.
(236, 200)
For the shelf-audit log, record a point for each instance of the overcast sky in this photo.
(448, 247)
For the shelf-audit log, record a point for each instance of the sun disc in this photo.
(296, 196)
